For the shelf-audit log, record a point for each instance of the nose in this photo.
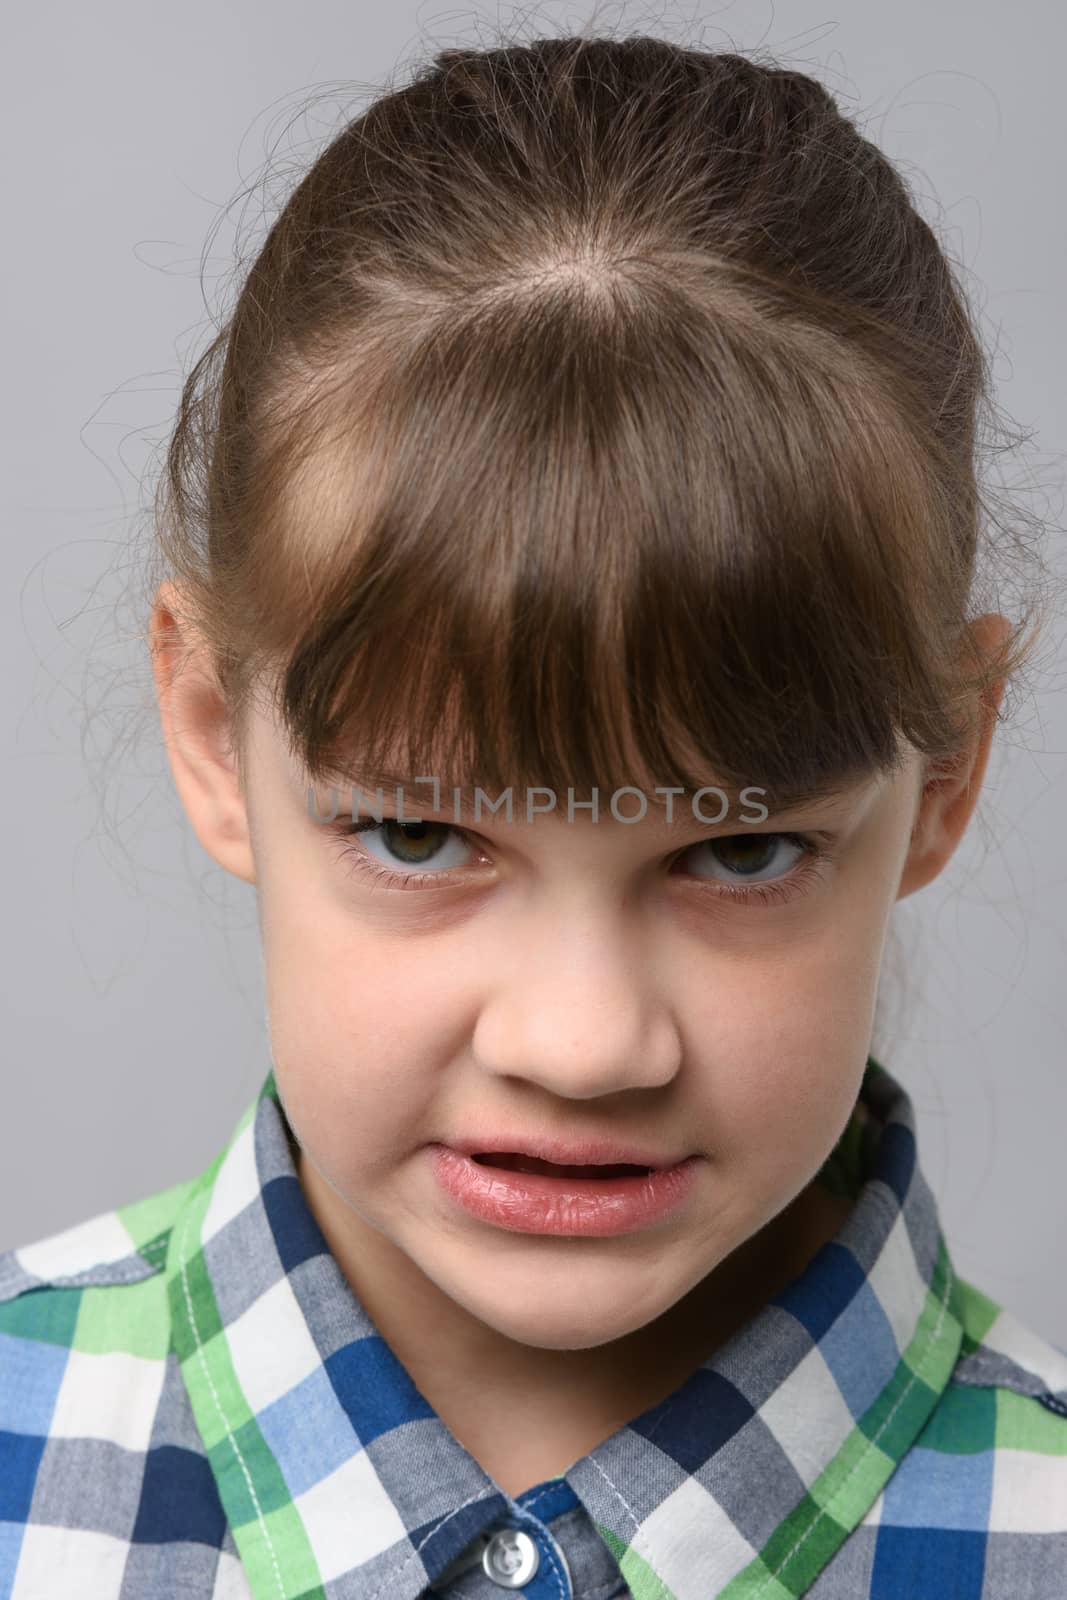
(579, 1008)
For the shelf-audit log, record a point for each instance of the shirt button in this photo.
(510, 1558)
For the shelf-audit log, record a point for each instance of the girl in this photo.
(567, 622)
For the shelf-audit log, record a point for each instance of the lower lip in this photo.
(534, 1202)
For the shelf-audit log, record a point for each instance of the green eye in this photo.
(730, 865)
(746, 852)
(407, 846)
(414, 843)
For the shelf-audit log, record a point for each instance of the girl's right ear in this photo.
(197, 732)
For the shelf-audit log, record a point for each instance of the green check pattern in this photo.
(193, 1402)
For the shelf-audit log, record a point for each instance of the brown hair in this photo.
(595, 412)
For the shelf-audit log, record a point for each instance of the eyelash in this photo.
(810, 867)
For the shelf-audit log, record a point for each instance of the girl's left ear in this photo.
(950, 788)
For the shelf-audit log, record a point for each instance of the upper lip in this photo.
(563, 1152)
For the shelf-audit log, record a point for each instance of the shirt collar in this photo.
(331, 1465)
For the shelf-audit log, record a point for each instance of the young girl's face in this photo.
(569, 979)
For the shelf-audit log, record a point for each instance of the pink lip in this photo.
(563, 1153)
(528, 1202)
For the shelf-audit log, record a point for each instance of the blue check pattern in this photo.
(193, 1402)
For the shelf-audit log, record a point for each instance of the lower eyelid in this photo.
(810, 865)
(346, 829)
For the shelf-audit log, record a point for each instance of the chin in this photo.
(552, 1325)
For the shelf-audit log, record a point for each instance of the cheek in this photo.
(793, 991)
(362, 1028)
(332, 980)
(783, 1036)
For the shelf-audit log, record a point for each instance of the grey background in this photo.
(137, 139)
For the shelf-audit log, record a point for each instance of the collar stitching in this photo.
(640, 1543)
(931, 1344)
(218, 1407)
(482, 1494)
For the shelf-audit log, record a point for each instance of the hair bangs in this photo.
(603, 534)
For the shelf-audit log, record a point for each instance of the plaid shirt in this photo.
(193, 1403)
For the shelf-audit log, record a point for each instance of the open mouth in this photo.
(525, 1194)
(519, 1163)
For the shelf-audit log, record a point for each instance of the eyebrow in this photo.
(421, 796)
